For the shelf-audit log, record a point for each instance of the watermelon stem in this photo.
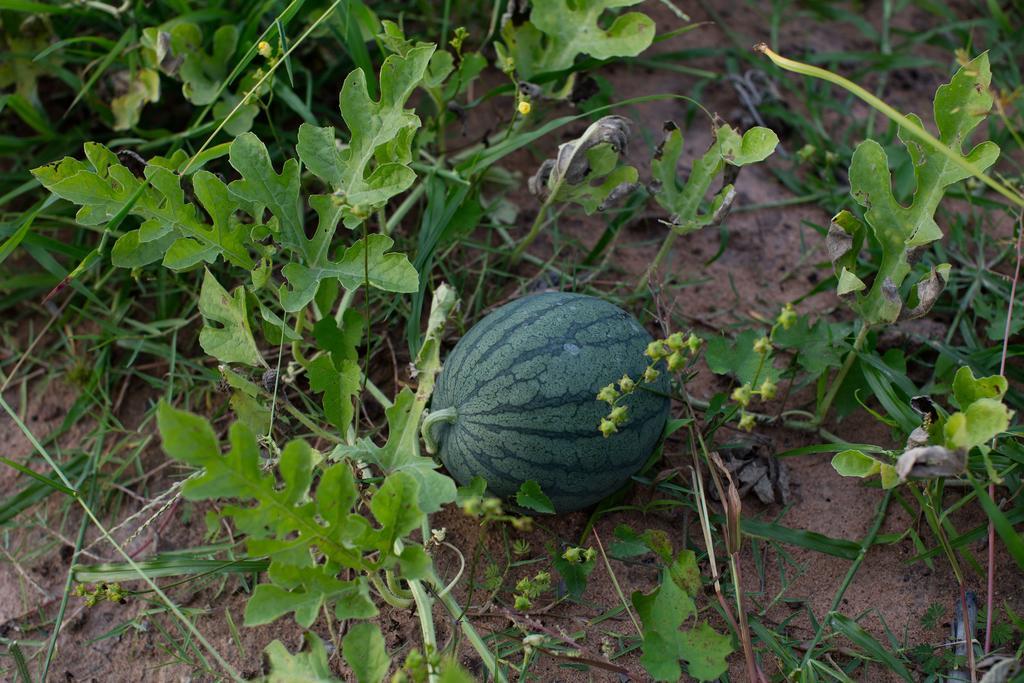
(446, 415)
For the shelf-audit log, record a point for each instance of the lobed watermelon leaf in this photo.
(682, 199)
(171, 229)
(663, 613)
(902, 232)
(232, 341)
(558, 31)
(374, 166)
(309, 533)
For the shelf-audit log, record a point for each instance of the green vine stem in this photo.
(386, 594)
(666, 247)
(538, 224)
(488, 657)
(902, 121)
(837, 381)
(424, 610)
(446, 415)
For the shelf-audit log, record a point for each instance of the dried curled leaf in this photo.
(903, 231)
(587, 170)
(926, 462)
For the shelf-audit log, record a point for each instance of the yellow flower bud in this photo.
(264, 49)
(693, 343)
(608, 394)
(676, 361)
(656, 350)
(786, 317)
(762, 346)
(767, 390)
(747, 422)
(742, 395)
(524, 107)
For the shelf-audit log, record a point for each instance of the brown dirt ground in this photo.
(763, 246)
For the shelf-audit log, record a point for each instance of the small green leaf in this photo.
(380, 136)
(854, 463)
(231, 340)
(967, 389)
(662, 613)
(574, 574)
(339, 385)
(396, 509)
(738, 358)
(983, 420)
(307, 667)
(889, 476)
(685, 573)
(849, 283)
(366, 653)
(705, 652)
(475, 489)
(203, 73)
(531, 497)
(755, 145)
(142, 88)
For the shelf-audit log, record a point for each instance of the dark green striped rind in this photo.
(524, 382)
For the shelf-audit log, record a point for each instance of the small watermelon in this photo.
(523, 384)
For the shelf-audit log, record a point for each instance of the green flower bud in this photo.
(767, 390)
(608, 427)
(762, 346)
(523, 603)
(747, 422)
(626, 384)
(618, 415)
(650, 374)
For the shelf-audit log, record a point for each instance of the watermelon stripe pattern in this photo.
(524, 382)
